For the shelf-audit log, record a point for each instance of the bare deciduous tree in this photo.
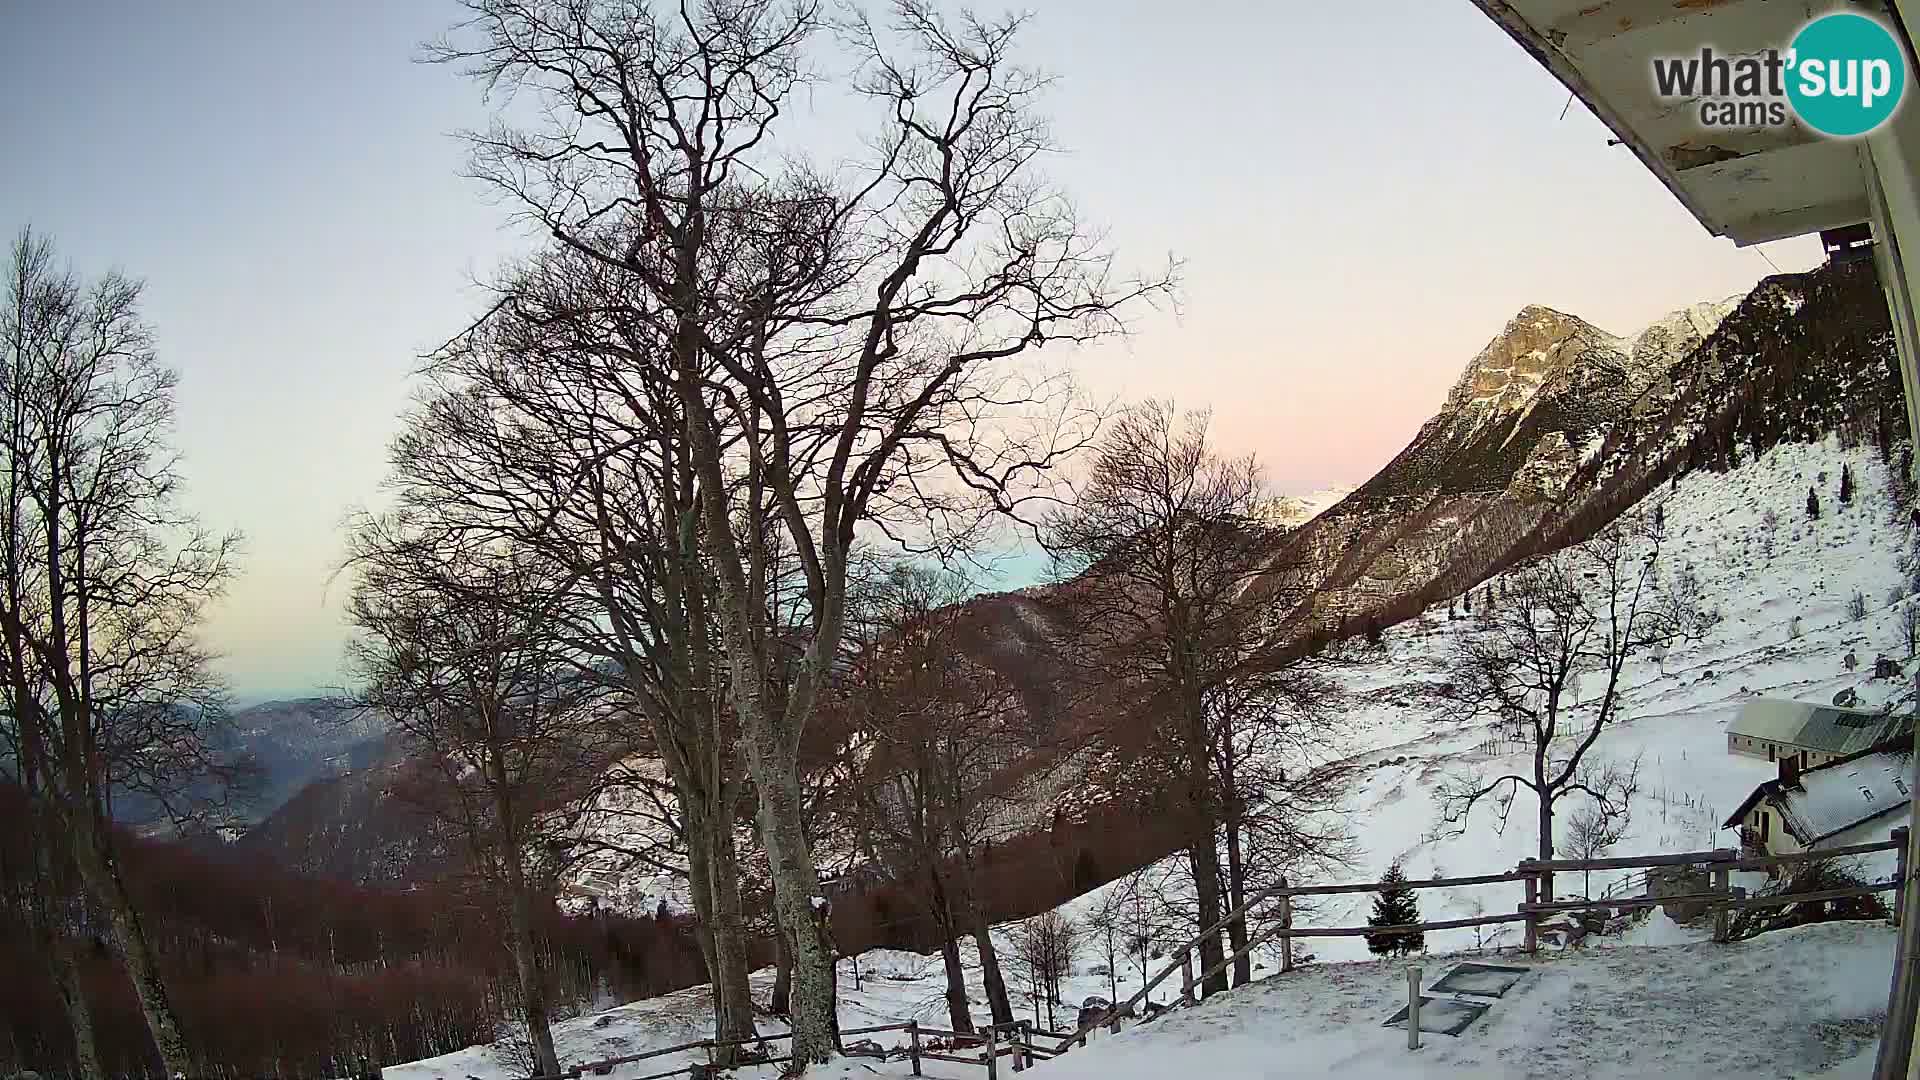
(938, 728)
(837, 344)
(108, 691)
(1574, 615)
(1166, 547)
(544, 425)
(1596, 827)
(459, 649)
(1276, 749)
(1047, 944)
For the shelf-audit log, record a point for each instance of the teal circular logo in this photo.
(1846, 73)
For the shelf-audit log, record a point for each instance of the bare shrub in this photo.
(1047, 946)
(1810, 877)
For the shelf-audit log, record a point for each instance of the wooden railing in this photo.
(1020, 1041)
(1017, 1040)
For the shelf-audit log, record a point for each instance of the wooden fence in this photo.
(1017, 1041)
(1020, 1041)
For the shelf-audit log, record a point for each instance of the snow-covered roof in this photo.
(1839, 795)
(1834, 797)
(1825, 728)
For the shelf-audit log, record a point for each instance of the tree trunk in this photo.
(970, 914)
(1546, 847)
(1204, 862)
(1203, 855)
(713, 873)
(1236, 898)
(999, 1004)
(73, 1001)
(782, 1003)
(51, 902)
(733, 996)
(519, 905)
(795, 893)
(526, 968)
(102, 877)
(959, 1011)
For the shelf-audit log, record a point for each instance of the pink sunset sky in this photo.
(1362, 195)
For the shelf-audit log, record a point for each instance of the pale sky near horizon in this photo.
(1362, 194)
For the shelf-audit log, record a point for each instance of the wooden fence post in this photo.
(1722, 887)
(1286, 924)
(993, 1052)
(913, 1044)
(1533, 897)
(1186, 976)
(1900, 875)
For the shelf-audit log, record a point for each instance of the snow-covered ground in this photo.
(1788, 1004)
(1781, 1005)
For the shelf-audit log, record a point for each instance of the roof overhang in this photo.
(1749, 184)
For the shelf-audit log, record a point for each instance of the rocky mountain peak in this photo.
(1667, 340)
(1530, 350)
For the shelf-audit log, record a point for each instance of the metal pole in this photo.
(1896, 1039)
(1900, 875)
(1413, 1006)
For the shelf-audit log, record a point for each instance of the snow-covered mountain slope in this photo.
(1746, 536)
(1293, 511)
(1556, 427)
(1546, 378)
(1763, 578)
(1801, 356)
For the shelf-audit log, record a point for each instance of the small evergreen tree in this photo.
(1813, 505)
(1086, 872)
(1466, 601)
(1395, 905)
(1486, 602)
(1846, 485)
(1373, 630)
